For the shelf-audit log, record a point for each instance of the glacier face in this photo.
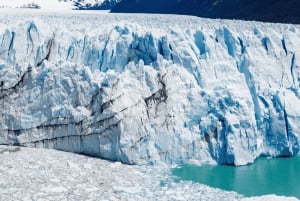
(145, 89)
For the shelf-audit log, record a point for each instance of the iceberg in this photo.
(148, 89)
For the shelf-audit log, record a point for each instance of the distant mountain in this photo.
(95, 4)
(146, 6)
(284, 11)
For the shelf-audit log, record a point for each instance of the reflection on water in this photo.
(266, 176)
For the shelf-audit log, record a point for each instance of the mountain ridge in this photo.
(278, 11)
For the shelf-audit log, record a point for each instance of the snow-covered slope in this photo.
(39, 4)
(150, 88)
(59, 4)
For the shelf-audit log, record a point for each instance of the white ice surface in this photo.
(51, 5)
(39, 174)
(270, 198)
(44, 4)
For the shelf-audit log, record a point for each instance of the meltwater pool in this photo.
(280, 176)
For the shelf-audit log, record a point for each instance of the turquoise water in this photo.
(279, 176)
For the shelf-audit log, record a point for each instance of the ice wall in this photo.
(148, 89)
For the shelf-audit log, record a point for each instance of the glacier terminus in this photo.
(148, 89)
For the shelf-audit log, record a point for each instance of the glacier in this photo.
(148, 89)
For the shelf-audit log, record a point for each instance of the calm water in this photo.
(266, 176)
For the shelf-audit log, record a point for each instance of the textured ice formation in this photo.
(144, 89)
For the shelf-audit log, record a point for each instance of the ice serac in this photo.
(150, 89)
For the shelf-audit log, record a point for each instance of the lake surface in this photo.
(279, 176)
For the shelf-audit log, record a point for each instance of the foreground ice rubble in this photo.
(40, 174)
(145, 89)
(35, 174)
